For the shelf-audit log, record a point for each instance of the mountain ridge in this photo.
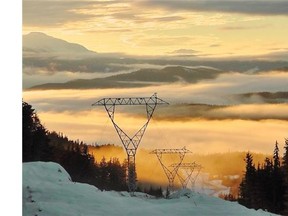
(41, 43)
(140, 78)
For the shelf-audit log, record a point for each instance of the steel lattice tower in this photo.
(170, 174)
(189, 169)
(130, 143)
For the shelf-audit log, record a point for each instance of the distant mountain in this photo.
(38, 43)
(267, 97)
(140, 78)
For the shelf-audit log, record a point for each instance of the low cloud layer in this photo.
(253, 112)
(199, 136)
(226, 89)
(209, 116)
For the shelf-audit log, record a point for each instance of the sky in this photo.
(202, 28)
(157, 29)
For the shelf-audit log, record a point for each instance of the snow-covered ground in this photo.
(204, 185)
(48, 191)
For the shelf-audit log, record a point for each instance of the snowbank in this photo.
(48, 191)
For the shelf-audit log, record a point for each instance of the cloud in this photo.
(169, 18)
(215, 45)
(253, 112)
(58, 12)
(256, 7)
(282, 54)
(107, 15)
(53, 13)
(37, 76)
(232, 28)
(174, 41)
(54, 65)
(223, 97)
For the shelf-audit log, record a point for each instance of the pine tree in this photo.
(34, 136)
(285, 173)
(285, 156)
(277, 183)
(276, 157)
(266, 182)
(247, 185)
(104, 176)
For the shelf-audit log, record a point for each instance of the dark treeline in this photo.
(39, 144)
(266, 186)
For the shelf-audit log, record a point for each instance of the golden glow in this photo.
(201, 136)
(136, 30)
(149, 171)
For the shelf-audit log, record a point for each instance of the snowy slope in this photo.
(48, 191)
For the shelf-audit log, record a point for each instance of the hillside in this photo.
(140, 78)
(48, 190)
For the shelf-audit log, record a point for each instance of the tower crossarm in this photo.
(170, 151)
(186, 165)
(130, 101)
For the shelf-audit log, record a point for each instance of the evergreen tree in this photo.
(117, 175)
(276, 157)
(247, 185)
(285, 173)
(266, 184)
(285, 156)
(34, 136)
(104, 176)
(264, 188)
(277, 183)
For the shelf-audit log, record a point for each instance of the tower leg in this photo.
(131, 174)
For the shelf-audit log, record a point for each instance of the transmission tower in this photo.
(130, 143)
(189, 169)
(170, 173)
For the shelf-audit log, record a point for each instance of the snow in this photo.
(209, 187)
(48, 191)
